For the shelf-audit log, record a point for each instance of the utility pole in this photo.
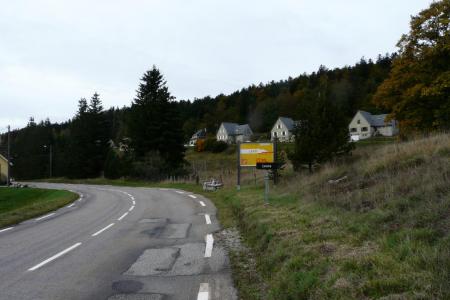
(9, 156)
(51, 159)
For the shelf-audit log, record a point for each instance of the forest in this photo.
(86, 146)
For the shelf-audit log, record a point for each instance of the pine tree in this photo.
(154, 123)
(321, 133)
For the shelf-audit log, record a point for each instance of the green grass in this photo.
(383, 232)
(17, 205)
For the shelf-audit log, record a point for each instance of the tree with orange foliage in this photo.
(417, 91)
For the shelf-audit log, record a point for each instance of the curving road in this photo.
(117, 243)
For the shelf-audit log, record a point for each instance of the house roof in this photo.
(200, 133)
(4, 158)
(375, 120)
(234, 128)
(240, 129)
(288, 122)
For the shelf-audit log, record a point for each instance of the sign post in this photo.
(259, 155)
(266, 188)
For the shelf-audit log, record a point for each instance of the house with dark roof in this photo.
(282, 130)
(199, 135)
(365, 125)
(233, 133)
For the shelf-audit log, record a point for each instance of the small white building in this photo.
(283, 130)
(364, 125)
(233, 133)
(200, 134)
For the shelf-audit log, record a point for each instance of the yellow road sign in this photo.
(252, 153)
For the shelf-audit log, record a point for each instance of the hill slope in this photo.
(380, 232)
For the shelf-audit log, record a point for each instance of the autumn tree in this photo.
(417, 91)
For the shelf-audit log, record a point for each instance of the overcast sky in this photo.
(54, 52)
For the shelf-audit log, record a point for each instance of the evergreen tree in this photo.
(154, 123)
(321, 133)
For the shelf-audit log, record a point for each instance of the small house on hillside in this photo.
(365, 125)
(3, 169)
(283, 130)
(233, 133)
(199, 135)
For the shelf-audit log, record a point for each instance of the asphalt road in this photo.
(117, 243)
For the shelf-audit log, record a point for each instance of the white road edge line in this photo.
(202, 203)
(163, 189)
(179, 192)
(131, 208)
(208, 219)
(123, 216)
(192, 196)
(44, 217)
(54, 257)
(71, 205)
(6, 229)
(134, 202)
(203, 293)
(209, 245)
(101, 230)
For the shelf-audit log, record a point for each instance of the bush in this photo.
(215, 146)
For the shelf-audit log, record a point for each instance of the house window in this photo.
(358, 122)
(352, 129)
(364, 129)
(279, 126)
(284, 133)
(275, 133)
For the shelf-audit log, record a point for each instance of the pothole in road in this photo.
(127, 286)
(187, 259)
(168, 231)
(154, 220)
(137, 297)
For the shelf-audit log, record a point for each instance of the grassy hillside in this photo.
(17, 205)
(380, 232)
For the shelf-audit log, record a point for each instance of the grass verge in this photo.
(17, 205)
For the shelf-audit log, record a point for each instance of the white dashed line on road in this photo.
(134, 202)
(208, 219)
(202, 203)
(179, 192)
(209, 245)
(6, 229)
(45, 217)
(203, 293)
(193, 197)
(54, 257)
(71, 205)
(101, 230)
(123, 216)
(131, 208)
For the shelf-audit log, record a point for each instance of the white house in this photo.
(233, 132)
(200, 134)
(365, 125)
(283, 130)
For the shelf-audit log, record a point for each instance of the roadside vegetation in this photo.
(17, 205)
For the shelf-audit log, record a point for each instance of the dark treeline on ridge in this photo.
(131, 142)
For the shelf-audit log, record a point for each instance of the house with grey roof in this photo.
(365, 125)
(283, 129)
(233, 133)
(198, 135)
